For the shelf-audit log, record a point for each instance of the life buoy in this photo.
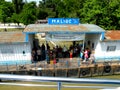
(107, 69)
(85, 71)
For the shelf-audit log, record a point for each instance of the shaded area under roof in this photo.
(112, 35)
(69, 28)
(11, 37)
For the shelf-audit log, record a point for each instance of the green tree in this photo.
(41, 14)
(60, 8)
(46, 9)
(104, 13)
(18, 5)
(6, 11)
(114, 13)
(1, 2)
(68, 8)
(28, 15)
(15, 18)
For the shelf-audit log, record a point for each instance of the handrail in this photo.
(54, 86)
(59, 80)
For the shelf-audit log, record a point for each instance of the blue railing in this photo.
(60, 81)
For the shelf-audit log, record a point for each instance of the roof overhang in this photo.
(81, 28)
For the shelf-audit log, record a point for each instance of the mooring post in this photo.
(59, 85)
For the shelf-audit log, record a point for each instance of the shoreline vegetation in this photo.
(105, 14)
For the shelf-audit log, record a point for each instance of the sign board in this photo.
(65, 37)
(72, 21)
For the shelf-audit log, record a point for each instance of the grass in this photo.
(37, 88)
(9, 87)
(117, 76)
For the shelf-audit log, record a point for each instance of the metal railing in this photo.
(64, 68)
(60, 81)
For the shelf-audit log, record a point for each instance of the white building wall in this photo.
(101, 52)
(93, 38)
(31, 37)
(13, 53)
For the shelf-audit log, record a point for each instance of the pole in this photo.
(59, 85)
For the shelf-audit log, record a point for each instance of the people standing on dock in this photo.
(43, 51)
(39, 53)
(82, 55)
(60, 50)
(92, 58)
(89, 53)
(74, 51)
(34, 56)
(85, 55)
(71, 55)
(64, 51)
(48, 47)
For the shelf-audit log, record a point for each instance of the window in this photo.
(111, 48)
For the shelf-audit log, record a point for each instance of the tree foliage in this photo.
(28, 15)
(15, 18)
(105, 13)
(6, 11)
(102, 12)
(18, 5)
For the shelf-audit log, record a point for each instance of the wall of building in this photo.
(104, 52)
(31, 38)
(17, 53)
(94, 39)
